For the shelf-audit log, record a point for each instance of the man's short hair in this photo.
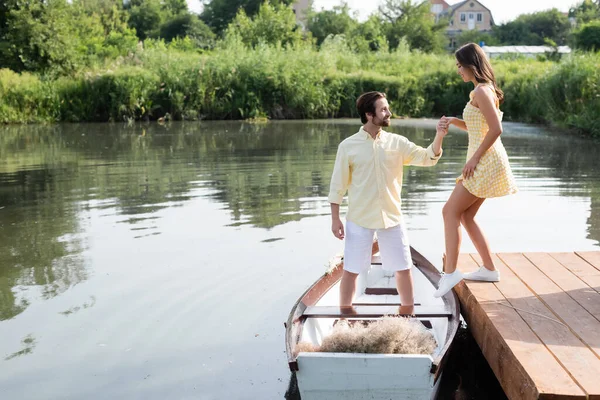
(366, 104)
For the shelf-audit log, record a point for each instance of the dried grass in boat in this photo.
(389, 335)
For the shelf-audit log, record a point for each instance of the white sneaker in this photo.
(447, 282)
(483, 274)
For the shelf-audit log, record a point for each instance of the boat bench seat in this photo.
(367, 311)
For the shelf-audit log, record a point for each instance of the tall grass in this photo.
(234, 82)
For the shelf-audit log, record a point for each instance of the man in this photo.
(369, 166)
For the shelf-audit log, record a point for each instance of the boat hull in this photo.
(332, 376)
(324, 376)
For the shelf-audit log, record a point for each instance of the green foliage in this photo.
(111, 14)
(237, 82)
(565, 93)
(40, 37)
(96, 71)
(166, 18)
(413, 22)
(5, 7)
(145, 18)
(368, 36)
(118, 44)
(218, 14)
(474, 36)
(25, 98)
(585, 12)
(186, 25)
(571, 93)
(533, 29)
(336, 21)
(175, 7)
(272, 25)
(123, 95)
(587, 37)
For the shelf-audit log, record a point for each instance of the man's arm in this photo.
(417, 155)
(437, 144)
(340, 180)
(337, 227)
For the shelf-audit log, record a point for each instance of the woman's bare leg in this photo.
(460, 200)
(476, 234)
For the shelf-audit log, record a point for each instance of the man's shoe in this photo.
(483, 274)
(447, 282)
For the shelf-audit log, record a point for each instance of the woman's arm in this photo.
(459, 123)
(445, 122)
(486, 102)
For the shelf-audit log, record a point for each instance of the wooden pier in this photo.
(539, 327)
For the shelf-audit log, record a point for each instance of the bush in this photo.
(236, 82)
(588, 36)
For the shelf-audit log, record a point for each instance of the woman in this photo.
(487, 171)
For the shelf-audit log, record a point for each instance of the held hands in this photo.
(443, 125)
(469, 169)
(337, 227)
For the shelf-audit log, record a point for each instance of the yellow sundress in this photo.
(493, 176)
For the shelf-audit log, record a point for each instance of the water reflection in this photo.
(28, 344)
(265, 175)
(112, 228)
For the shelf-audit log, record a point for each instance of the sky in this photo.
(502, 10)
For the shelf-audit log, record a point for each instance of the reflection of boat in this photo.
(324, 376)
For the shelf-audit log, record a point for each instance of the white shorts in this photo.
(393, 248)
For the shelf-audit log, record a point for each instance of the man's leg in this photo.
(395, 256)
(357, 257)
(347, 288)
(404, 283)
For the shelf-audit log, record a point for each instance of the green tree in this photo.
(119, 38)
(368, 36)
(111, 13)
(188, 25)
(413, 22)
(146, 18)
(336, 21)
(40, 36)
(475, 36)
(219, 13)
(587, 37)
(5, 7)
(533, 29)
(175, 7)
(585, 12)
(274, 24)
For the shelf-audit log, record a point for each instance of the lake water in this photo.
(160, 262)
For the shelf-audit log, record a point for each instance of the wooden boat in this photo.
(329, 376)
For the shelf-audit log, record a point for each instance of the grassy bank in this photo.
(237, 83)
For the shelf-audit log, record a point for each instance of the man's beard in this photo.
(381, 122)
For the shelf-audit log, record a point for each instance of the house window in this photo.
(471, 16)
(479, 17)
(463, 17)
